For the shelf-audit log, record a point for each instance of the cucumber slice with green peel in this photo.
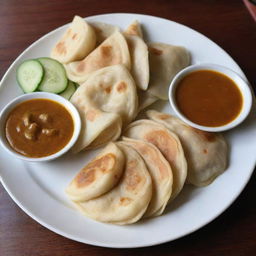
(71, 88)
(29, 75)
(55, 79)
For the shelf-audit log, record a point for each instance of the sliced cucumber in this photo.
(71, 88)
(55, 78)
(29, 75)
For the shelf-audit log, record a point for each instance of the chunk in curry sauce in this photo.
(39, 128)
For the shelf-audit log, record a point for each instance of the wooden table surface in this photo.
(228, 23)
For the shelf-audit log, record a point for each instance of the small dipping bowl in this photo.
(40, 95)
(242, 85)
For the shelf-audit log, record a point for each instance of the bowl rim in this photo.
(241, 83)
(40, 95)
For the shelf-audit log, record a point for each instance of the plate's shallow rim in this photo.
(113, 245)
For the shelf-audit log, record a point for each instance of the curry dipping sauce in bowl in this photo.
(39, 126)
(210, 97)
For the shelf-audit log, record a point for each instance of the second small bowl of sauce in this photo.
(210, 97)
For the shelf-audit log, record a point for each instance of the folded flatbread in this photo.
(103, 31)
(128, 200)
(134, 29)
(114, 50)
(165, 61)
(168, 144)
(206, 153)
(161, 175)
(106, 102)
(76, 43)
(99, 176)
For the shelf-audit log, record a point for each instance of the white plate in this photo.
(38, 188)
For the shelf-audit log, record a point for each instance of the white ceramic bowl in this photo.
(40, 95)
(241, 83)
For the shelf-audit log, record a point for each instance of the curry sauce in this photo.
(209, 98)
(39, 128)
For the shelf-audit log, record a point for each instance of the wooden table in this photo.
(228, 23)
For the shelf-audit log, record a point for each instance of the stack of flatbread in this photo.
(138, 176)
(119, 75)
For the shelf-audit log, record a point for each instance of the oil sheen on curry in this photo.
(39, 128)
(209, 98)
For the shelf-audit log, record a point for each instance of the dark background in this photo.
(226, 22)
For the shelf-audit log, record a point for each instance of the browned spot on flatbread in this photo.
(205, 151)
(158, 163)
(124, 201)
(106, 50)
(162, 170)
(69, 31)
(133, 30)
(164, 142)
(74, 36)
(209, 136)
(87, 175)
(151, 153)
(104, 163)
(155, 51)
(163, 116)
(85, 178)
(121, 87)
(132, 176)
(106, 89)
(91, 115)
(61, 48)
